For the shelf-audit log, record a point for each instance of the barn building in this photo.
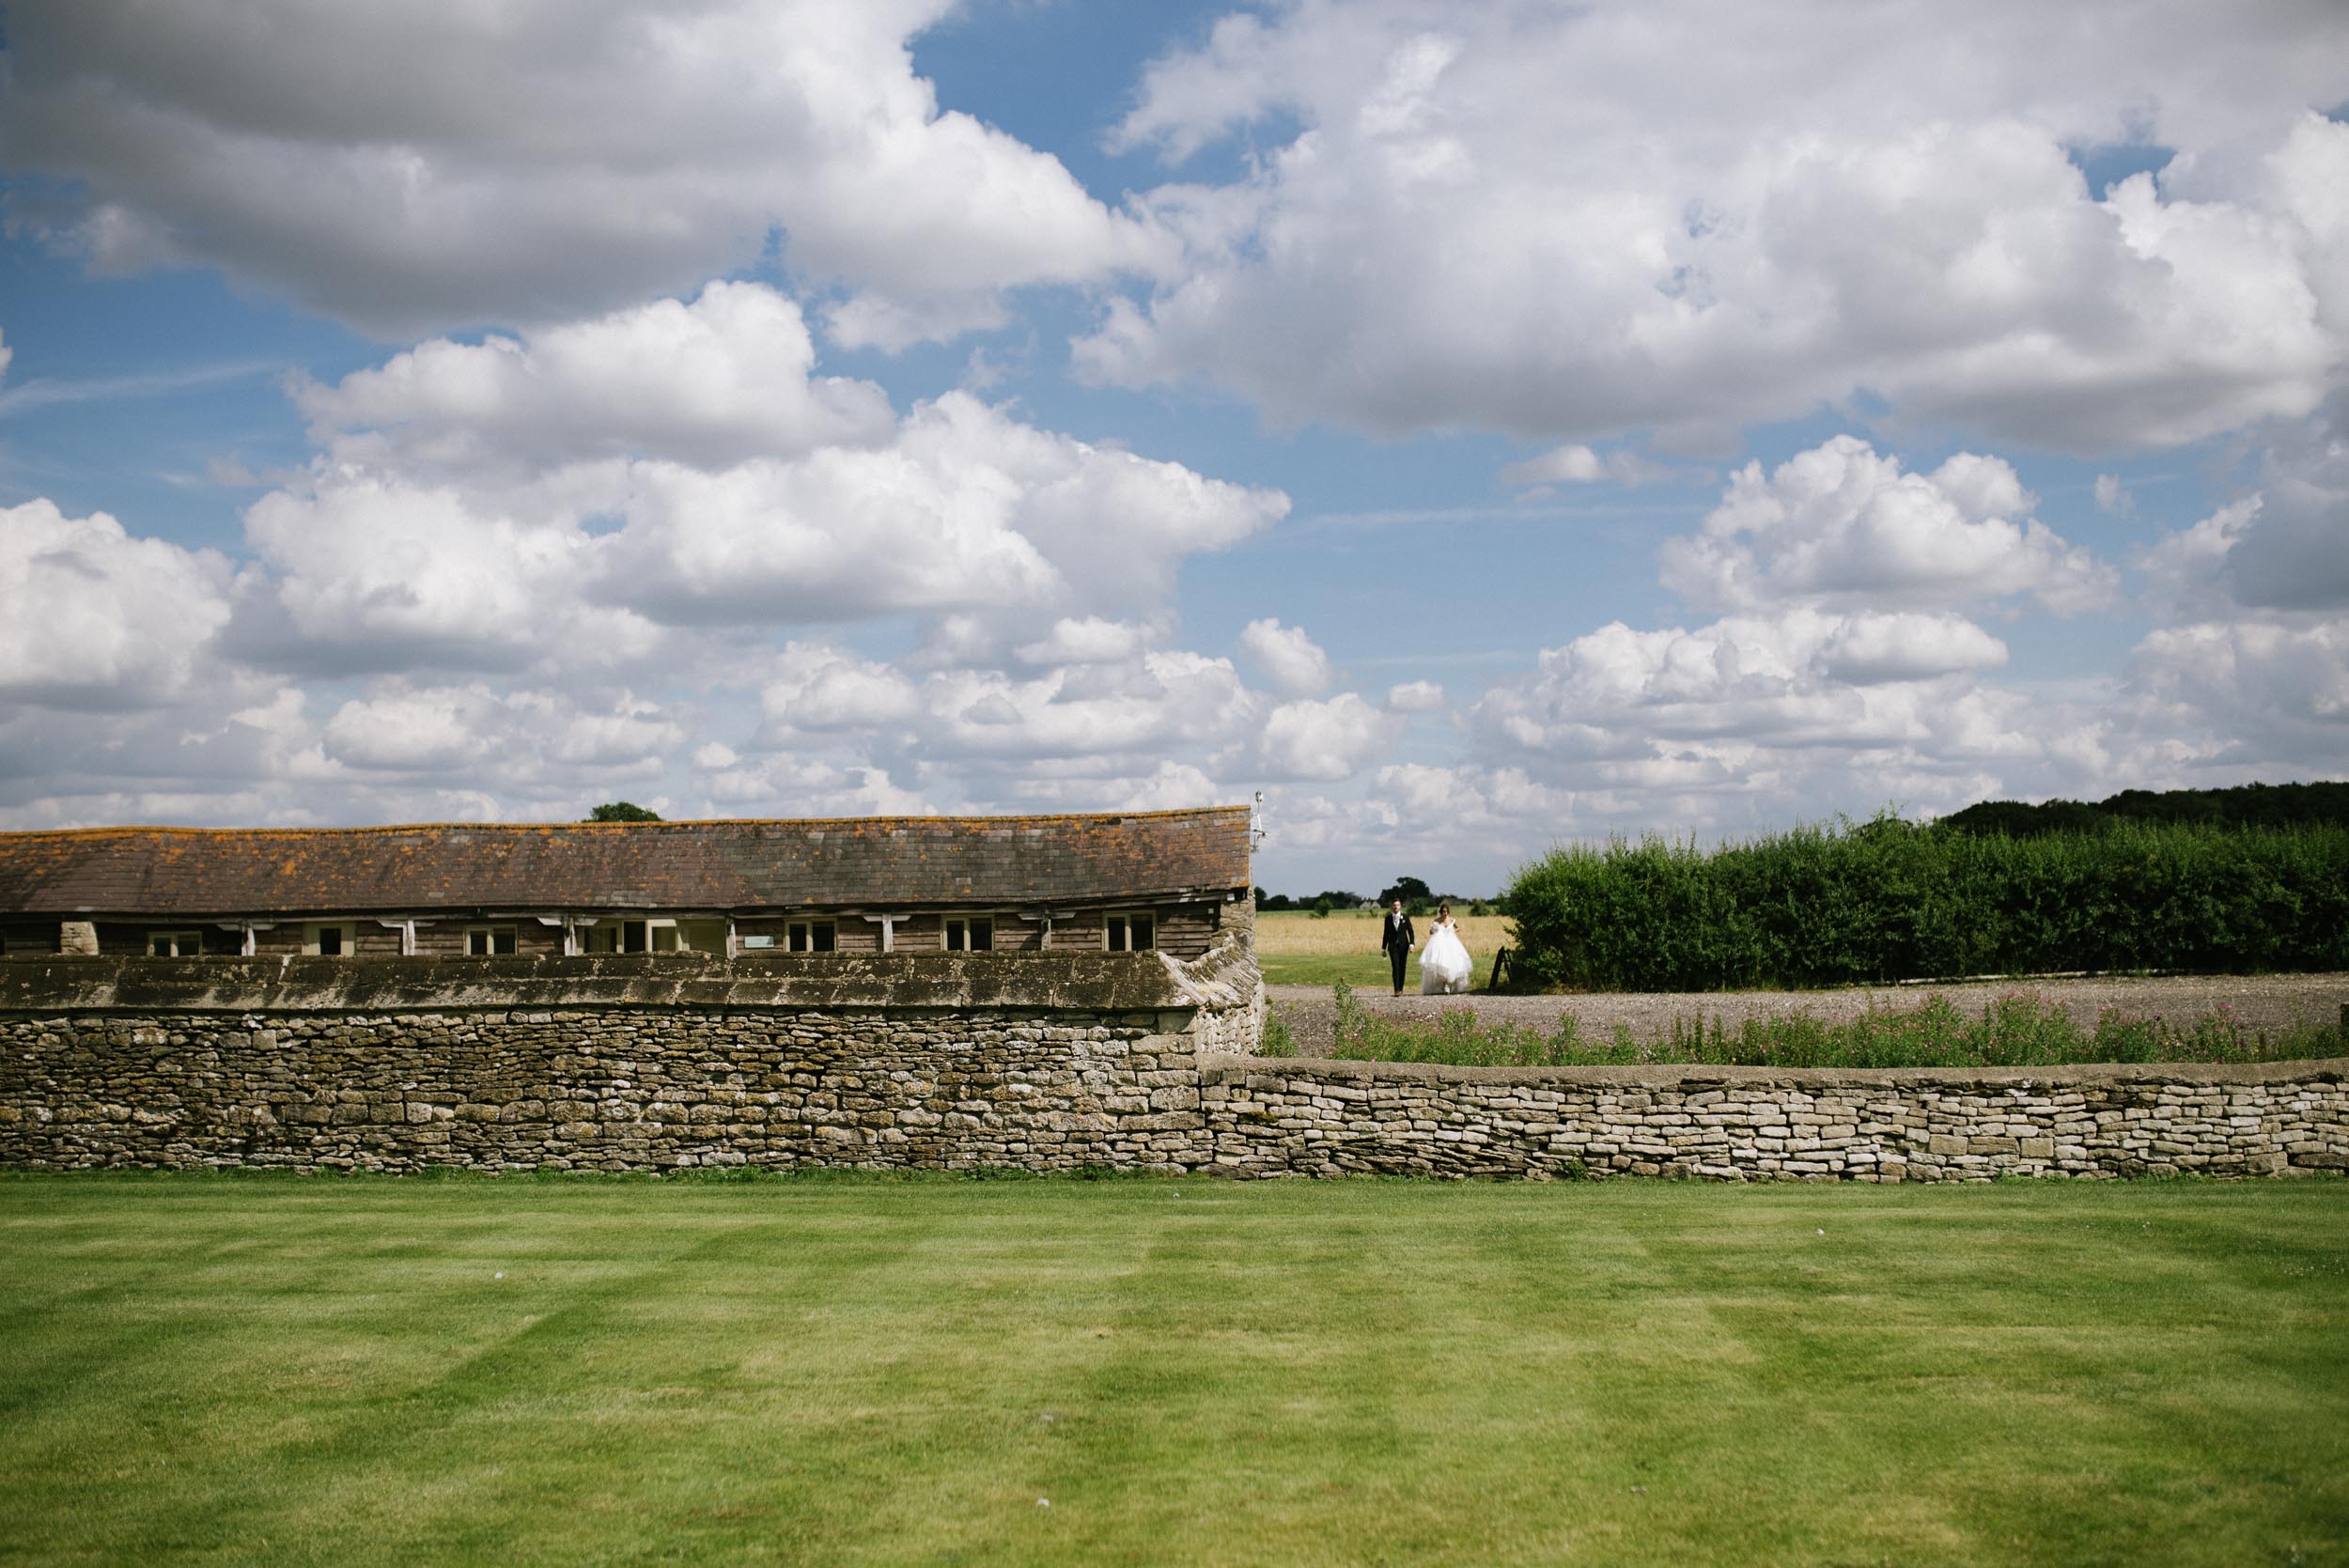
(1174, 881)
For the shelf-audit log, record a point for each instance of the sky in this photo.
(1473, 426)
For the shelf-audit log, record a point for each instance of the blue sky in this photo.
(1469, 425)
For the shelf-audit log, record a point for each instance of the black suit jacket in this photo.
(1400, 937)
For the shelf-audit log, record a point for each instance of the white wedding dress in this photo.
(1445, 964)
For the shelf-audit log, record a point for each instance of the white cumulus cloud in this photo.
(1842, 524)
(440, 163)
(1331, 739)
(473, 731)
(726, 376)
(90, 616)
(1292, 661)
(567, 494)
(1415, 696)
(2256, 695)
(1569, 222)
(1576, 464)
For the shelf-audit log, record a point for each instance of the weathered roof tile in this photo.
(173, 872)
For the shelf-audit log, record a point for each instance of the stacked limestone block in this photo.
(604, 1089)
(1329, 1118)
(958, 1061)
(951, 1062)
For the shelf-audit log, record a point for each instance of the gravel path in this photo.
(2262, 1002)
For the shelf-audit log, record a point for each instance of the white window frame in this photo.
(489, 935)
(346, 930)
(652, 933)
(184, 945)
(1119, 924)
(798, 935)
(956, 933)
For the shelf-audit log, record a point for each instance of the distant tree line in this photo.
(1320, 903)
(1417, 897)
(2256, 805)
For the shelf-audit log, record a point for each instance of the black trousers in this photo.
(1398, 956)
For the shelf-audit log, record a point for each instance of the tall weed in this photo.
(2020, 1031)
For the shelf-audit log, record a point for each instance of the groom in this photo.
(1398, 941)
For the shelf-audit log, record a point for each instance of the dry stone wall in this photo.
(955, 1062)
(1327, 1118)
(1040, 1061)
(606, 1089)
(1229, 989)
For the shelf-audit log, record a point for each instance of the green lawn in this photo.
(869, 1372)
(1364, 972)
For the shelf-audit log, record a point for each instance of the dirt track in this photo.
(2262, 1002)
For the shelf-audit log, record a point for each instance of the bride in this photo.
(1444, 965)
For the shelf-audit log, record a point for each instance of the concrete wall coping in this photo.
(1086, 982)
(1223, 1069)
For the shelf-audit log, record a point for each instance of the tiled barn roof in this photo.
(872, 861)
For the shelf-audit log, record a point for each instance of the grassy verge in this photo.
(2014, 1031)
(365, 1371)
(1367, 971)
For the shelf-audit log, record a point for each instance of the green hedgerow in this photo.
(1889, 900)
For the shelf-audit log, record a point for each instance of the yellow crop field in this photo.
(1298, 948)
(1296, 934)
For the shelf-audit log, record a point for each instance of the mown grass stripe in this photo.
(1352, 1372)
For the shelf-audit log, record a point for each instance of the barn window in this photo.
(646, 935)
(1130, 931)
(489, 941)
(811, 935)
(971, 934)
(337, 940)
(175, 944)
